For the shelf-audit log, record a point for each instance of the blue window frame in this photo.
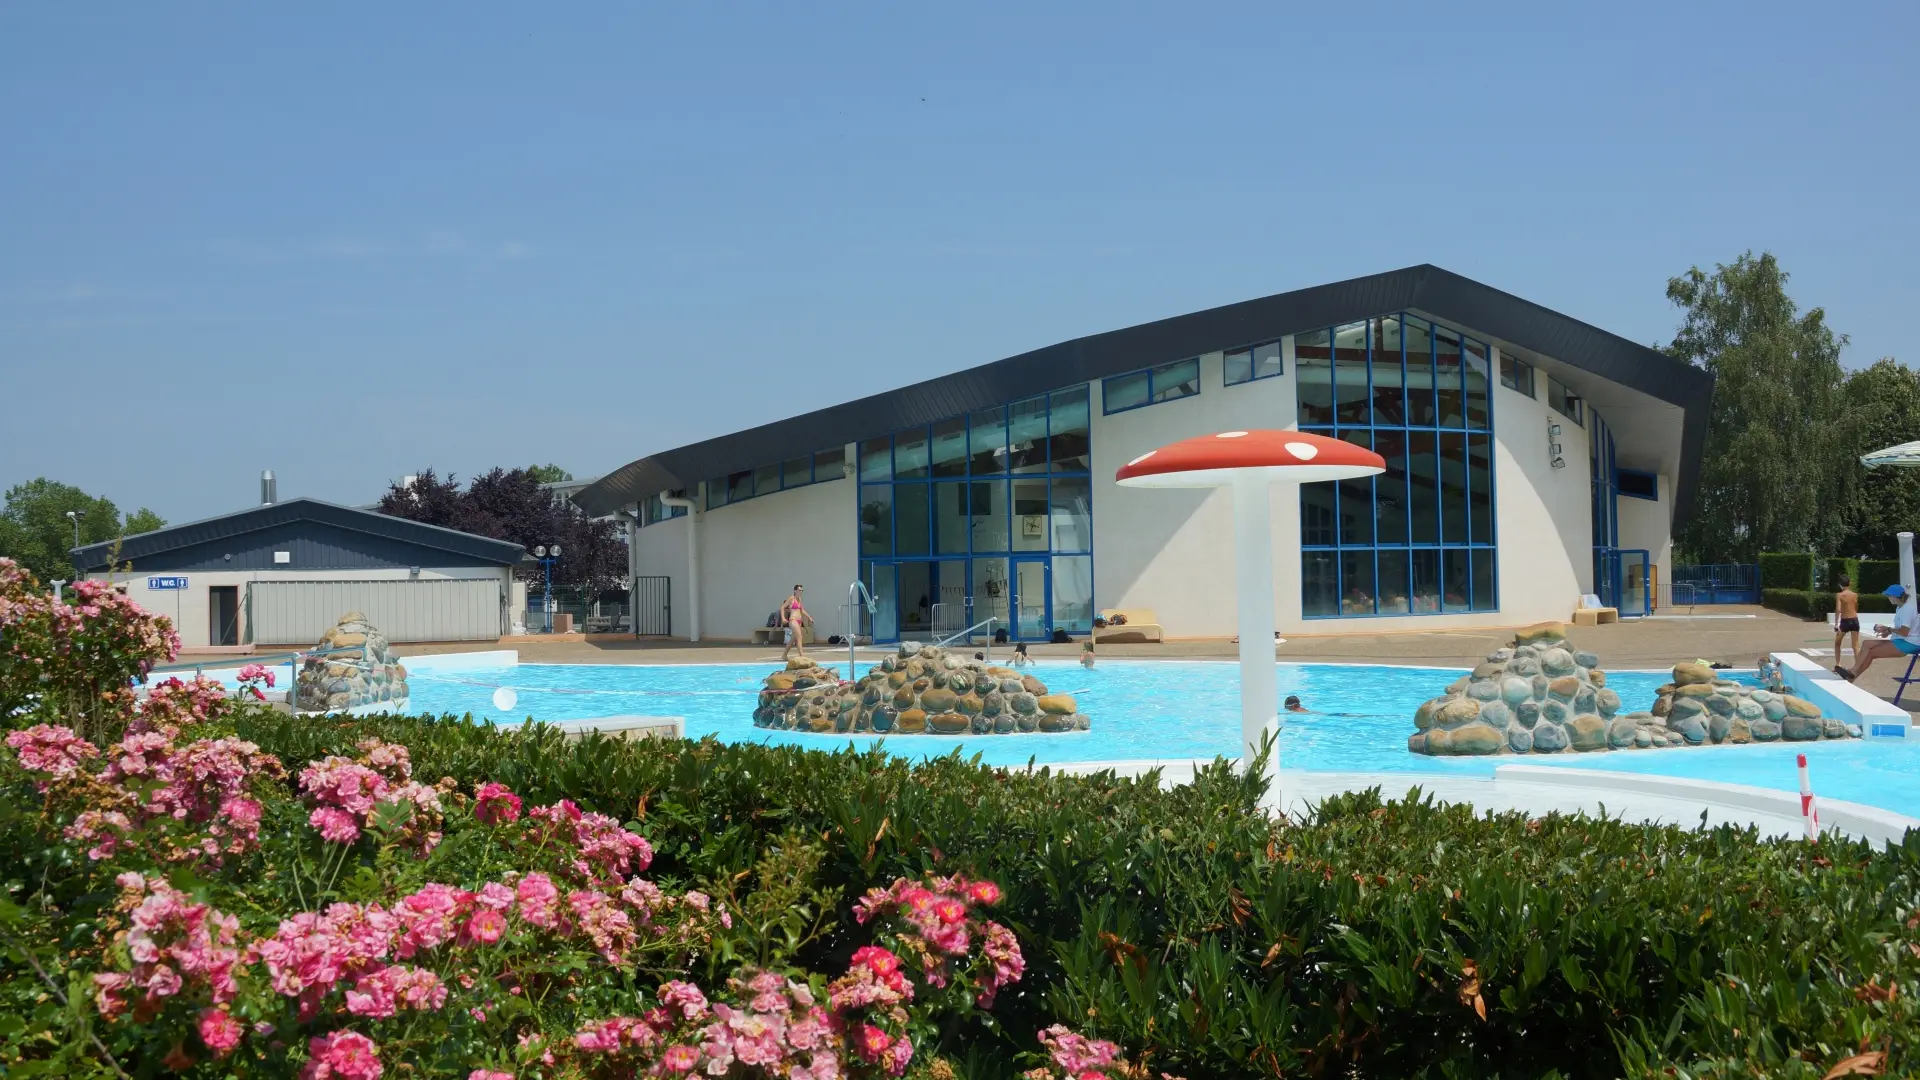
(1637, 484)
(658, 511)
(815, 468)
(1564, 401)
(1151, 386)
(1419, 539)
(1253, 362)
(976, 495)
(1516, 374)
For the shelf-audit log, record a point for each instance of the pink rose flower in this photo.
(220, 1031)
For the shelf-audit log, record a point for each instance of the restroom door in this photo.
(223, 615)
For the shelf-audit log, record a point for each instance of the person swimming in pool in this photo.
(1020, 657)
(1293, 704)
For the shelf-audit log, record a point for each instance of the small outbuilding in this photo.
(283, 572)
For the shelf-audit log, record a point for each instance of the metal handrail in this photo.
(854, 592)
(986, 622)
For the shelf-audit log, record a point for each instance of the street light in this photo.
(547, 556)
(75, 516)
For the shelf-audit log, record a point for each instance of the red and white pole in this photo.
(1809, 813)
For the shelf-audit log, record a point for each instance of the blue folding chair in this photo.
(1907, 678)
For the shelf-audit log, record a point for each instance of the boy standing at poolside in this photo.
(1846, 611)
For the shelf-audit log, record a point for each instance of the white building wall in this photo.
(189, 608)
(752, 553)
(1542, 515)
(1648, 524)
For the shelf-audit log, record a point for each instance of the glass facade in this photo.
(989, 514)
(1138, 389)
(1419, 538)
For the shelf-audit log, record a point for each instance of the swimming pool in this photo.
(1173, 710)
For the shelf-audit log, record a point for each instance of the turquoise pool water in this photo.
(1173, 710)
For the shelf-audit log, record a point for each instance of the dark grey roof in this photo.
(145, 546)
(1439, 293)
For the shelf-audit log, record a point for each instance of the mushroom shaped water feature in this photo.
(1251, 462)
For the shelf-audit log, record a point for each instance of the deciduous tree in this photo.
(1773, 474)
(510, 504)
(36, 532)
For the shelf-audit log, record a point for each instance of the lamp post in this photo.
(547, 556)
(75, 516)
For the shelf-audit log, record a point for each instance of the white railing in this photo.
(987, 623)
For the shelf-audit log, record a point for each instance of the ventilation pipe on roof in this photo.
(693, 557)
(269, 492)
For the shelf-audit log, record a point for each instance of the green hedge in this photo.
(1838, 566)
(1786, 570)
(1215, 941)
(1877, 574)
(1818, 603)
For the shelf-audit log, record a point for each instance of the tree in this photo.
(510, 504)
(549, 474)
(143, 520)
(1775, 463)
(36, 532)
(1882, 409)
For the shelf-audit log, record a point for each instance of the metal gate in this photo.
(414, 609)
(652, 606)
(1725, 583)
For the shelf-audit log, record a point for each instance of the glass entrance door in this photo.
(992, 597)
(1032, 599)
(1633, 590)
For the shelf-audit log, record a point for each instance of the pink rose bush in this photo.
(186, 803)
(345, 794)
(938, 926)
(73, 662)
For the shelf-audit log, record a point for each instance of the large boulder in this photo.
(920, 689)
(351, 669)
(1543, 695)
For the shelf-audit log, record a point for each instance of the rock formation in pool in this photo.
(352, 669)
(1543, 696)
(920, 690)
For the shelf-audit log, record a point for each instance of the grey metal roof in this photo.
(144, 546)
(1436, 292)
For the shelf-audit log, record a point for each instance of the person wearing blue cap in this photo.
(1900, 641)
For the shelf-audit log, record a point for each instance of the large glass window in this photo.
(1254, 362)
(945, 508)
(1152, 386)
(1418, 538)
(1515, 373)
(1564, 401)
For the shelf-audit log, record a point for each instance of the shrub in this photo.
(1786, 570)
(1818, 604)
(1838, 567)
(1877, 574)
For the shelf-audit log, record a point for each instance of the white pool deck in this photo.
(1538, 790)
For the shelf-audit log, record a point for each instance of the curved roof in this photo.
(144, 546)
(1430, 290)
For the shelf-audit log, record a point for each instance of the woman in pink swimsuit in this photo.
(793, 616)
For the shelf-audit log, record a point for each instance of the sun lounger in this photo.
(1142, 626)
(1592, 613)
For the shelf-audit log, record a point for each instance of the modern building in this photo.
(282, 573)
(1532, 459)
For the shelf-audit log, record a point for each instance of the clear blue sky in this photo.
(352, 241)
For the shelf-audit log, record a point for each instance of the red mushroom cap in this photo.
(1293, 457)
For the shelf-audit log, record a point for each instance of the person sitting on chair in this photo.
(1900, 641)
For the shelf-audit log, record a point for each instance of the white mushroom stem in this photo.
(1253, 553)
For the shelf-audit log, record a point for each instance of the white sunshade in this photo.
(1906, 455)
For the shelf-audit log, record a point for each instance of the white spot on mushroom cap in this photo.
(1303, 451)
(1231, 435)
(1142, 457)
